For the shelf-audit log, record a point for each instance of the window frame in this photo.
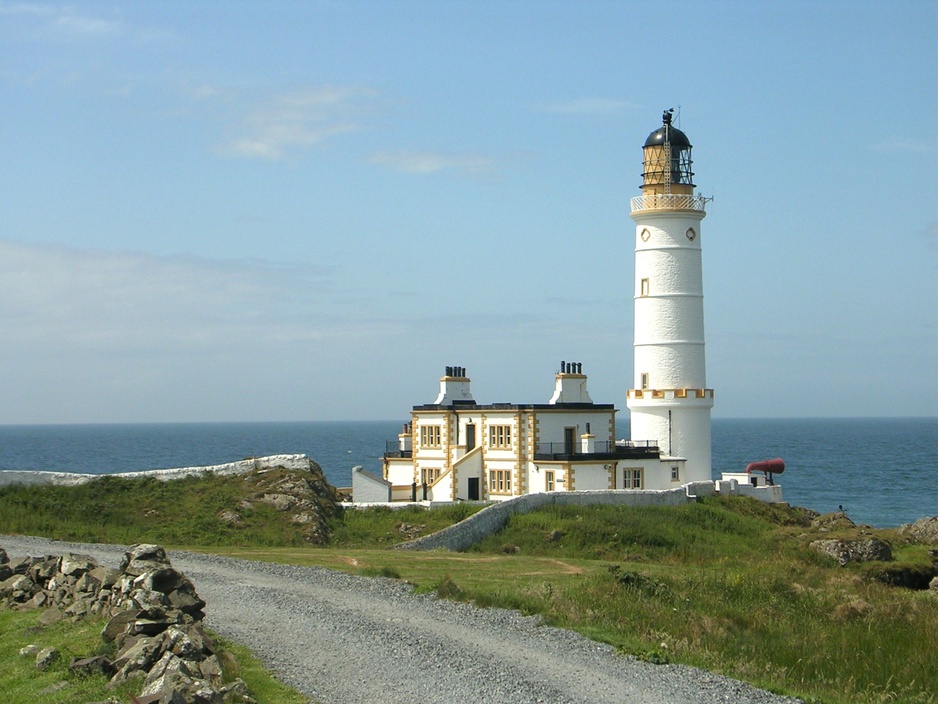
(500, 481)
(500, 436)
(431, 436)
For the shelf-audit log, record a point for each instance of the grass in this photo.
(728, 585)
(22, 683)
(118, 510)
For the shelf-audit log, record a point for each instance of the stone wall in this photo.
(298, 461)
(154, 621)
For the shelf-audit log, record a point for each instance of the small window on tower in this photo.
(644, 381)
(645, 287)
(675, 474)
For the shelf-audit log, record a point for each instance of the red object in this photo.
(776, 466)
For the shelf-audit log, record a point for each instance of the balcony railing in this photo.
(392, 449)
(669, 201)
(611, 450)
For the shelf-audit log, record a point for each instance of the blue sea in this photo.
(884, 472)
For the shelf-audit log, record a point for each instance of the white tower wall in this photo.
(669, 402)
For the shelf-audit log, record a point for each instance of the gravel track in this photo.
(342, 639)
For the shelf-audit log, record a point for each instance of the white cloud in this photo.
(426, 162)
(296, 121)
(62, 20)
(588, 106)
(54, 298)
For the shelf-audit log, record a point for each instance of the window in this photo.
(675, 474)
(500, 436)
(500, 481)
(430, 436)
(549, 480)
(645, 287)
(634, 479)
(428, 475)
(644, 381)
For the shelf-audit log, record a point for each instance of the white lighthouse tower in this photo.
(670, 402)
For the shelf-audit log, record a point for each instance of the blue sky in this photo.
(306, 210)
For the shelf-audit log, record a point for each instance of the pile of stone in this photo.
(155, 622)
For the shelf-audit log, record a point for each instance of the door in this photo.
(473, 488)
(569, 440)
(470, 437)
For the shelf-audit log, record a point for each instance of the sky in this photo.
(272, 211)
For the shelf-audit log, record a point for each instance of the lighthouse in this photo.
(669, 401)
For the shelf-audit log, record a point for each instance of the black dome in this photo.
(668, 134)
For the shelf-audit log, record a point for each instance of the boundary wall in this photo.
(490, 520)
(15, 476)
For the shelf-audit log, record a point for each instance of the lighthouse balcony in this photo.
(669, 201)
(670, 398)
(670, 393)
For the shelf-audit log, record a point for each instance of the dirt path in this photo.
(342, 639)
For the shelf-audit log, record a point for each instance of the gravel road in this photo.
(342, 640)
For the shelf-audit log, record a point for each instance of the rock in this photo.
(281, 502)
(47, 657)
(554, 536)
(107, 576)
(77, 565)
(4, 559)
(40, 572)
(170, 672)
(230, 517)
(139, 656)
(933, 584)
(924, 530)
(832, 521)
(50, 616)
(143, 558)
(155, 622)
(211, 668)
(858, 550)
(29, 651)
(5, 572)
(97, 665)
(119, 623)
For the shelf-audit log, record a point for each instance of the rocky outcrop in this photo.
(868, 549)
(310, 501)
(924, 530)
(154, 622)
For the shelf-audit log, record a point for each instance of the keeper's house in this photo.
(456, 449)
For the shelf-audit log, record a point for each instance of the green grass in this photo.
(730, 585)
(22, 683)
(118, 510)
(382, 526)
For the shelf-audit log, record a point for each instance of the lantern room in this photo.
(667, 160)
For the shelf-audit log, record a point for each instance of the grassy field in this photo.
(22, 683)
(727, 585)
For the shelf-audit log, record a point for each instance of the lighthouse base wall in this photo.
(681, 432)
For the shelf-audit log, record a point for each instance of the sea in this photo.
(883, 472)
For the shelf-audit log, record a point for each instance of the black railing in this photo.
(628, 448)
(392, 449)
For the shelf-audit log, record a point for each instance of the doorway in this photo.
(569, 440)
(470, 437)
(473, 488)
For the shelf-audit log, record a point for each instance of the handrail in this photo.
(669, 201)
